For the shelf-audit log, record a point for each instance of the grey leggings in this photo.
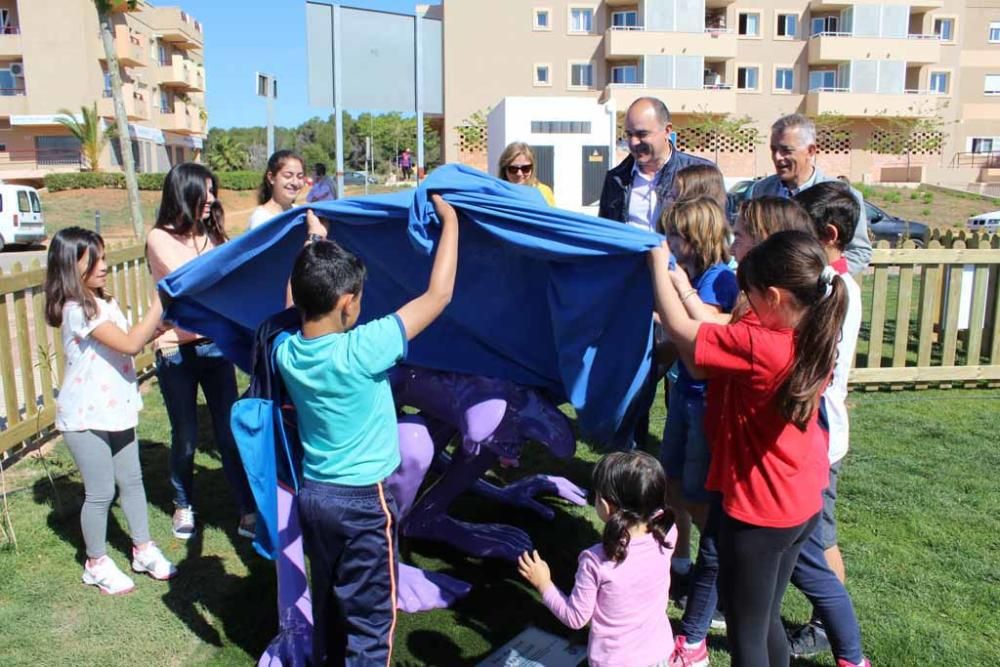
(104, 459)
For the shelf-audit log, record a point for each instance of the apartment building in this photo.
(52, 58)
(862, 62)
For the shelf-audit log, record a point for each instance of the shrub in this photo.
(150, 181)
(928, 197)
(239, 180)
(84, 179)
(926, 212)
(866, 190)
(914, 195)
(892, 197)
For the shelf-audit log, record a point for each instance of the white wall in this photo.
(510, 120)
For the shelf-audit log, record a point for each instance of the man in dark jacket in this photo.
(638, 189)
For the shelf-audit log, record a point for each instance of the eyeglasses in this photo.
(523, 168)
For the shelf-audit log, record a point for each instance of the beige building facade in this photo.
(865, 69)
(52, 59)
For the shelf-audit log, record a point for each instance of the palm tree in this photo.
(105, 9)
(89, 132)
(226, 154)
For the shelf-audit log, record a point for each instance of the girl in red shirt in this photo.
(767, 373)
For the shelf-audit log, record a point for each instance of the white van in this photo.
(985, 222)
(20, 215)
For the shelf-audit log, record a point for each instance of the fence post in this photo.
(97, 221)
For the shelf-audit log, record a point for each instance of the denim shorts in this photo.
(828, 520)
(685, 455)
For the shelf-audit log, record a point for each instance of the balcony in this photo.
(841, 101)
(176, 27)
(713, 43)
(179, 72)
(13, 101)
(131, 48)
(918, 5)
(136, 103)
(196, 79)
(181, 119)
(716, 98)
(10, 42)
(834, 47)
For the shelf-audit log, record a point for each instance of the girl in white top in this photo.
(283, 180)
(98, 405)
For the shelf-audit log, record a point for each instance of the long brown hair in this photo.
(701, 223)
(274, 164)
(510, 154)
(635, 485)
(62, 277)
(182, 200)
(795, 261)
(766, 215)
(701, 180)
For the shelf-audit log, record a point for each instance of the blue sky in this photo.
(246, 36)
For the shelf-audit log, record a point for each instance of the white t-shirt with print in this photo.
(835, 395)
(99, 391)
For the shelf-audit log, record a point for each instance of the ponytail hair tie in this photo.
(825, 281)
(656, 515)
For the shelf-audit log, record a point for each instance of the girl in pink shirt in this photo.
(621, 584)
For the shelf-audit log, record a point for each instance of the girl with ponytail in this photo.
(769, 459)
(621, 584)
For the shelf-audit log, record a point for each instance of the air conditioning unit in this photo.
(17, 69)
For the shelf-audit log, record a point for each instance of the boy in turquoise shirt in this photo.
(337, 378)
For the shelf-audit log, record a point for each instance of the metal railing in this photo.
(44, 157)
(706, 31)
(989, 160)
(830, 33)
(829, 89)
(12, 92)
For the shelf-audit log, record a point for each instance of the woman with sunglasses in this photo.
(517, 165)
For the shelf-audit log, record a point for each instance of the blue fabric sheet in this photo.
(544, 297)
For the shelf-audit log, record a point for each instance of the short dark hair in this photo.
(831, 203)
(321, 169)
(323, 273)
(659, 108)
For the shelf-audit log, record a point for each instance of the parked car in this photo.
(984, 222)
(357, 178)
(736, 195)
(21, 218)
(884, 226)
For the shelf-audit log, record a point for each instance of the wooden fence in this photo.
(31, 352)
(931, 317)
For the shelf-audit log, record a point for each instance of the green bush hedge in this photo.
(228, 180)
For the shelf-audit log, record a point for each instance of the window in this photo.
(939, 82)
(560, 127)
(36, 206)
(788, 25)
(163, 56)
(581, 19)
(165, 106)
(625, 19)
(994, 36)
(982, 145)
(746, 78)
(625, 74)
(822, 79)
(107, 83)
(991, 84)
(581, 75)
(542, 75)
(22, 202)
(945, 29)
(784, 79)
(541, 21)
(749, 24)
(821, 24)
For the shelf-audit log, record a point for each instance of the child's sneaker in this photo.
(152, 561)
(687, 656)
(248, 526)
(183, 523)
(106, 576)
(844, 663)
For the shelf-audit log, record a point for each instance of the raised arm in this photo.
(695, 307)
(418, 314)
(131, 342)
(675, 319)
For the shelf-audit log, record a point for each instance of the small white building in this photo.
(573, 139)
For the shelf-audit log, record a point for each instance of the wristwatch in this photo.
(312, 238)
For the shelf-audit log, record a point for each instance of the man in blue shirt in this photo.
(337, 378)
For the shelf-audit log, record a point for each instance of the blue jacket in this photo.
(544, 297)
(859, 250)
(618, 184)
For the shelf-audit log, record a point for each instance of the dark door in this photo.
(595, 167)
(544, 164)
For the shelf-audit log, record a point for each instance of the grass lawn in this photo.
(938, 209)
(919, 526)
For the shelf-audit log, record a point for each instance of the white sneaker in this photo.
(183, 523)
(105, 575)
(152, 561)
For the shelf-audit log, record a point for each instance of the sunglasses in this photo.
(524, 169)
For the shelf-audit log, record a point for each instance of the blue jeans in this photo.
(830, 600)
(703, 594)
(685, 455)
(349, 534)
(180, 373)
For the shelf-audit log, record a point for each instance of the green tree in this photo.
(722, 128)
(904, 136)
(224, 153)
(105, 10)
(831, 128)
(89, 132)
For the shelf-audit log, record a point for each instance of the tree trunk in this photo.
(131, 184)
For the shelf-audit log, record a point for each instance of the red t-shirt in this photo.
(769, 472)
